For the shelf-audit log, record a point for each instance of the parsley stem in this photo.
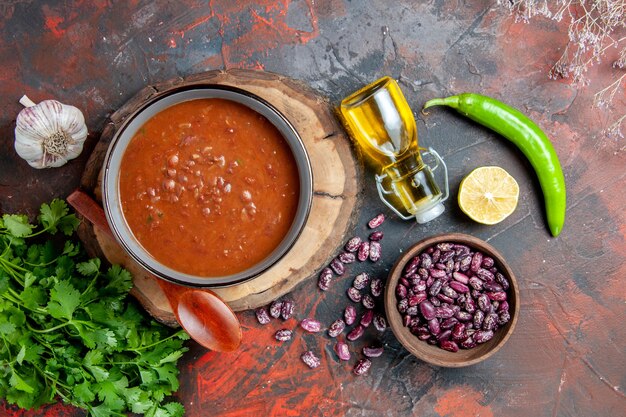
(157, 343)
(9, 267)
(49, 329)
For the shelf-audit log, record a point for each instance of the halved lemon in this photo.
(488, 195)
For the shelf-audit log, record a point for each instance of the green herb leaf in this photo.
(17, 225)
(20, 355)
(7, 328)
(90, 267)
(54, 216)
(63, 300)
(175, 409)
(120, 280)
(68, 329)
(18, 383)
(83, 392)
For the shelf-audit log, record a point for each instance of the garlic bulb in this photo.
(49, 134)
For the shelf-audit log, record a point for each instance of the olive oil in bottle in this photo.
(380, 121)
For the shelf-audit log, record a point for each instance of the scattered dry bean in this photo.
(470, 305)
(373, 351)
(283, 335)
(287, 309)
(366, 318)
(347, 257)
(336, 328)
(375, 251)
(338, 266)
(437, 273)
(412, 310)
(449, 323)
(325, 277)
(368, 301)
(380, 323)
(490, 322)
(311, 325)
(342, 351)
(361, 281)
(376, 287)
(423, 273)
(276, 308)
(403, 305)
(353, 244)
(310, 359)
(362, 366)
(349, 315)
(354, 295)
(476, 283)
(376, 236)
(356, 333)
(376, 221)
(262, 316)
(435, 301)
(459, 332)
(364, 251)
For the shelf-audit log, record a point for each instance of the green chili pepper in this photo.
(523, 132)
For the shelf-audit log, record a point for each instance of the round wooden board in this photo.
(334, 190)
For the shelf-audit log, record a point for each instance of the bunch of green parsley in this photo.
(68, 330)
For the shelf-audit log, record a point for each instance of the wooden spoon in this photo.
(208, 320)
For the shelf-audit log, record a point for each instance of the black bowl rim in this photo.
(291, 136)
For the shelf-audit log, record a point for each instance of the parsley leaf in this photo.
(68, 329)
(90, 267)
(54, 217)
(17, 224)
(63, 300)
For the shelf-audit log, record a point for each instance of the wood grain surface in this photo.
(334, 189)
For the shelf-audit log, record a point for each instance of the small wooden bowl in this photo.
(434, 354)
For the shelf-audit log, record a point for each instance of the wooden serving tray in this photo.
(334, 190)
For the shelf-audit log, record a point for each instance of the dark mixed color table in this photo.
(567, 355)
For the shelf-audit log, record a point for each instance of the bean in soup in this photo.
(209, 187)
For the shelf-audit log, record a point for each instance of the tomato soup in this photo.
(209, 187)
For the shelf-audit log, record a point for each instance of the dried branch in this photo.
(593, 30)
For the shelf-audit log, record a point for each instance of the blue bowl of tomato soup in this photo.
(207, 185)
